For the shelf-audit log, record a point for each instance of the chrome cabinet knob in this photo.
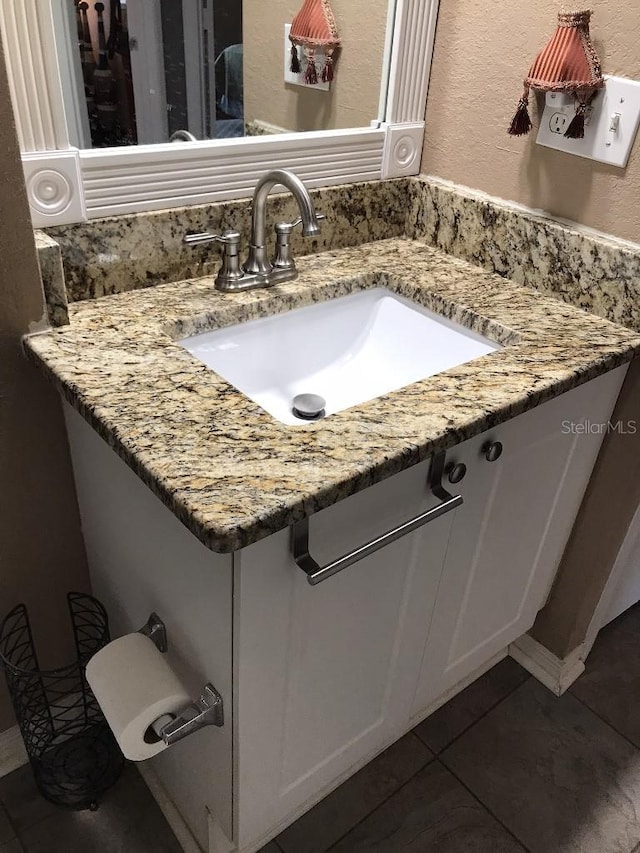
(456, 473)
(492, 450)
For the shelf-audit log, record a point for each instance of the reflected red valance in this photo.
(314, 27)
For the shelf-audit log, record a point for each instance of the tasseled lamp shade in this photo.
(314, 27)
(569, 63)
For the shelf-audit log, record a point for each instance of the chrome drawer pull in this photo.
(316, 573)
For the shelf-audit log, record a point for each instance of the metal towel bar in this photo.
(316, 573)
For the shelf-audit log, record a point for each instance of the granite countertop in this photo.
(232, 473)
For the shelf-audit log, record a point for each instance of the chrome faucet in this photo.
(258, 270)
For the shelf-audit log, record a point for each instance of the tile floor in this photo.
(505, 767)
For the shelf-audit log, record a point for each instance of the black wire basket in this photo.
(74, 756)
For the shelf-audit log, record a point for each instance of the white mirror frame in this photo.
(67, 185)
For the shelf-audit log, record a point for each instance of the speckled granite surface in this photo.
(585, 268)
(107, 256)
(229, 471)
(52, 275)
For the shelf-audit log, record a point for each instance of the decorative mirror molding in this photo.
(67, 184)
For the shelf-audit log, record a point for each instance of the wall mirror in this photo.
(146, 71)
(131, 105)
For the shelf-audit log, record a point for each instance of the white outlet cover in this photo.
(620, 96)
(298, 79)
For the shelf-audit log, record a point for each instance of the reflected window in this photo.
(154, 68)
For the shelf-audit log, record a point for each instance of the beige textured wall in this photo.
(41, 550)
(482, 53)
(353, 99)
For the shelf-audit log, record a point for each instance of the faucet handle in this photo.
(282, 259)
(230, 272)
(283, 228)
(228, 238)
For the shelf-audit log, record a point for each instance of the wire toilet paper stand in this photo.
(73, 754)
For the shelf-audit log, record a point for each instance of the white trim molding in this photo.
(402, 150)
(54, 188)
(27, 28)
(411, 55)
(152, 177)
(12, 751)
(558, 674)
(148, 177)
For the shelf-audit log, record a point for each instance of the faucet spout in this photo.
(257, 262)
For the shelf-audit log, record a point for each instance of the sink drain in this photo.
(309, 407)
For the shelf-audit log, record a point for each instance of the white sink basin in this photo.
(347, 350)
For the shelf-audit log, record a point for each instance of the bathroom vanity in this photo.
(230, 524)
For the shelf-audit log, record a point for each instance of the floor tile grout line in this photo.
(475, 722)
(611, 726)
(432, 757)
(30, 825)
(485, 806)
(11, 823)
(435, 757)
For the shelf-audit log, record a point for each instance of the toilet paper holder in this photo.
(207, 710)
(155, 629)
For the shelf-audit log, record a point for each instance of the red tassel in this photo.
(327, 71)
(576, 126)
(311, 73)
(295, 60)
(521, 123)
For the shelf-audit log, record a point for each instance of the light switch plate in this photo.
(620, 97)
(298, 79)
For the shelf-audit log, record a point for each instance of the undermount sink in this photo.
(347, 350)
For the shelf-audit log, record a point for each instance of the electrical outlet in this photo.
(610, 124)
(558, 122)
(298, 79)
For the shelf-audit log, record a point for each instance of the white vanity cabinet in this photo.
(327, 672)
(509, 535)
(344, 668)
(318, 679)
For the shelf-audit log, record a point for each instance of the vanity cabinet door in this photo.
(326, 674)
(508, 537)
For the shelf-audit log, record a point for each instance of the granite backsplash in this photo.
(105, 256)
(588, 269)
(592, 271)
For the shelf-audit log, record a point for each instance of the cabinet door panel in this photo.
(330, 670)
(508, 537)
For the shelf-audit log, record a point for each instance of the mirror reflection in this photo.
(151, 71)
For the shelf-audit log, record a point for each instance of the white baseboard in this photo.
(12, 751)
(558, 674)
(167, 807)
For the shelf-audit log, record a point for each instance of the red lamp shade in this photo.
(314, 26)
(569, 63)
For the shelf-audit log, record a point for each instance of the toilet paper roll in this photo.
(134, 685)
